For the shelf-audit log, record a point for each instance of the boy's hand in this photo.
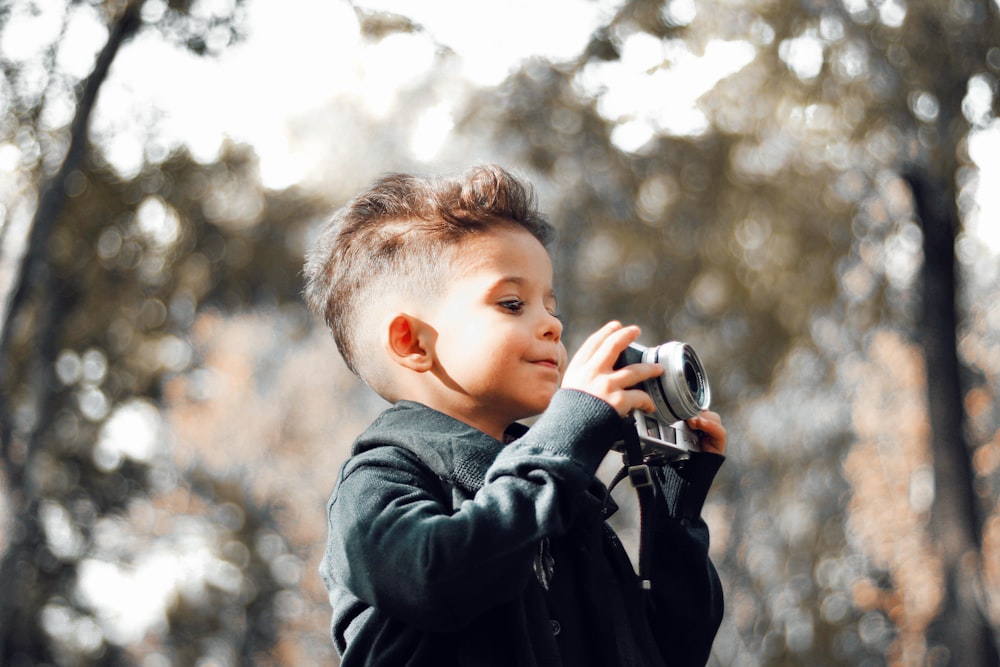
(591, 370)
(712, 434)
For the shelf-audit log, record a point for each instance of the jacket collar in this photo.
(452, 449)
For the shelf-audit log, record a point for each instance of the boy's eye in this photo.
(513, 305)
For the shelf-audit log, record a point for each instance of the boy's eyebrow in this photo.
(550, 293)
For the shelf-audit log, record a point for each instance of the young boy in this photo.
(456, 535)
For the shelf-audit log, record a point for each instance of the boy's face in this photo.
(497, 343)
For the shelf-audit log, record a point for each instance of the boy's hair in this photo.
(397, 239)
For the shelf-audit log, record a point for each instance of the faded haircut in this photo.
(397, 238)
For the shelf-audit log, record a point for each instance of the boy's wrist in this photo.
(686, 485)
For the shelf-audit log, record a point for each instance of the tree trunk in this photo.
(36, 282)
(961, 626)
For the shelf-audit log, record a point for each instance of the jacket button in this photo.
(556, 628)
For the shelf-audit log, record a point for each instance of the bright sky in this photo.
(290, 66)
(984, 149)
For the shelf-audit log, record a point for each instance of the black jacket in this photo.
(447, 547)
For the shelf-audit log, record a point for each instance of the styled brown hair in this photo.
(396, 238)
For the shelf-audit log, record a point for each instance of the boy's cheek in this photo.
(563, 360)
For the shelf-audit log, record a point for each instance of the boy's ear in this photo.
(409, 343)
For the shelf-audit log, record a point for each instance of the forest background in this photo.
(806, 191)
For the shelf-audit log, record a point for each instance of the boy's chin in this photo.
(537, 407)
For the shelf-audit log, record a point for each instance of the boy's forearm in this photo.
(408, 553)
(685, 486)
(687, 592)
(686, 586)
(576, 430)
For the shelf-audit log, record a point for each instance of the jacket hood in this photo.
(452, 449)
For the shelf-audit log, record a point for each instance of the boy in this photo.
(457, 536)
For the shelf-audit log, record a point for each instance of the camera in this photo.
(681, 392)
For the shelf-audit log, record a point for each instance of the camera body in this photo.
(681, 392)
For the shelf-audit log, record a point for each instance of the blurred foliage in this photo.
(112, 275)
(171, 414)
(134, 262)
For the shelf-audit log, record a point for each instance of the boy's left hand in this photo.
(712, 434)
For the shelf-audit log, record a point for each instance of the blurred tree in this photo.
(111, 276)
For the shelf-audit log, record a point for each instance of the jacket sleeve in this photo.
(399, 545)
(687, 592)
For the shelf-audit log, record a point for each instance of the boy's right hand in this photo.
(591, 370)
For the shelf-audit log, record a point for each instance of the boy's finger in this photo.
(627, 400)
(616, 342)
(642, 400)
(714, 434)
(707, 421)
(594, 340)
(633, 374)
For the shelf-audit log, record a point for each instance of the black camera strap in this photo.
(641, 477)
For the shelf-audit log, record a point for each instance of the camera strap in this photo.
(641, 477)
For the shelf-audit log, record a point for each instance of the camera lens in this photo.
(693, 376)
(682, 391)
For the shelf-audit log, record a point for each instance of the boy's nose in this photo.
(551, 327)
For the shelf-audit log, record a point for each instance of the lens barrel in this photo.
(683, 390)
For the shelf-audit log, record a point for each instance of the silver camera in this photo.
(680, 393)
